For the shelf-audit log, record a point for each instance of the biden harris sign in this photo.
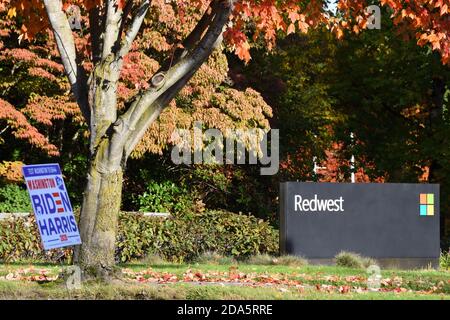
(51, 206)
(397, 224)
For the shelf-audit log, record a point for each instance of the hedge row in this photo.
(174, 239)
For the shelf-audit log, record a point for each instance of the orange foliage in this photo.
(22, 129)
(334, 168)
(11, 171)
(201, 99)
(426, 20)
(166, 25)
(24, 121)
(331, 170)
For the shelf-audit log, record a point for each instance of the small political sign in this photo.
(51, 206)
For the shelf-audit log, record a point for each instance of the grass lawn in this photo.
(239, 281)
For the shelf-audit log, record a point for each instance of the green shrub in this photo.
(185, 238)
(353, 260)
(286, 260)
(20, 240)
(175, 239)
(165, 197)
(293, 261)
(136, 235)
(445, 243)
(260, 259)
(444, 260)
(153, 259)
(13, 198)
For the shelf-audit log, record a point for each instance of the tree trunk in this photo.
(113, 137)
(98, 221)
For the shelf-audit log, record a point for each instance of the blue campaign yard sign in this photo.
(51, 206)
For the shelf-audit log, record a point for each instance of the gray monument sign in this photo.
(396, 224)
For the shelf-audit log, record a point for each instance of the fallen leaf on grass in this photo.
(355, 279)
(344, 289)
(325, 287)
(331, 278)
(360, 290)
(387, 282)
(29, 274)
(400, 290)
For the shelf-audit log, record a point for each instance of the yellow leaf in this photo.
(12, 12)
(291, 29)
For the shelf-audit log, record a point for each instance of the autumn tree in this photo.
(182, 66)
(36, 93)
(110, 28)
(378, 85)
(394, 95)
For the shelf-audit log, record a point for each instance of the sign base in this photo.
(391, 263)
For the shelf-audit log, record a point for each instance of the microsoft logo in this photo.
(427, 204)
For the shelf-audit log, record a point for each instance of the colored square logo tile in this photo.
(426, 204)
(423, 198)
(423, 210)
(430, 198)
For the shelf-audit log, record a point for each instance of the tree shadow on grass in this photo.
(34, 263)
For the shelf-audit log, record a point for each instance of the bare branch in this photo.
(112, 28)
(134, 28)
(196, 34)
(192, 39)
(123, 21)
(146, 107)
(66, 47)
(159, 77)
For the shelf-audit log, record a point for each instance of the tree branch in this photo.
(147, 106)
(96, 25)
(134, 28)
(66, 47)
(194, 36)
(159, 77)
(123, 21)
(112, 28)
